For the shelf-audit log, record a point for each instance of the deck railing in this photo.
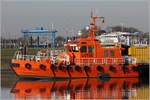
(88, 61)
(80, 61)
(98, 61)
(30, 57)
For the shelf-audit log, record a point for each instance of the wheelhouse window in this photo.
(105, 53)
(90, 49)
(112, 54)
(83, 49)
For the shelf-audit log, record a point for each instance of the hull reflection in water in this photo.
(76, 89)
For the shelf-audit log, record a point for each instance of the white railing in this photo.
(97, 61)
(89, 61)
(55, 52)
(19, 56)
(30, 57)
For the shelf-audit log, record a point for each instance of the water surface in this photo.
(14, 88)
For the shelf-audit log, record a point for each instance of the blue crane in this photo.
(39, 32)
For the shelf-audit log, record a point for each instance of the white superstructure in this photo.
(115, 37)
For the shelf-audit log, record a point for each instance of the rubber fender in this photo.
(86, 68)
(28, 66)
(64, 68)
(112, 68)
(60, 67)
(52, 67)
(43, 67)
(69, 68)
(100, 69)
(78, 68)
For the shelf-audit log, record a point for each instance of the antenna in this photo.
(91, 13)
(52, 27)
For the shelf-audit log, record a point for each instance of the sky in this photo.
(69, 16)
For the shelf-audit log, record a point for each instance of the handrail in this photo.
(30, 57)
(89, 61)
(97, 61)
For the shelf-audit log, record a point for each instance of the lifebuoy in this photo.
(28, 66)
(43, 67)
(100, 68)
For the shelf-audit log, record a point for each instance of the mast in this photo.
(93, 28)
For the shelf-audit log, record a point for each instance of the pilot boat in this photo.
(83, 57)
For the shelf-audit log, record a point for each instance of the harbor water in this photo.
(13, 88)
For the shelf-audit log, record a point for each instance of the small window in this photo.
(75, 48)
(112, 53)
(83, 49)
(105, 53)
(90, 49)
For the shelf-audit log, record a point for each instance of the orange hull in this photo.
(60, 73)
(34, 71)
(77, 73)
(73, 72)
(75, 89)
